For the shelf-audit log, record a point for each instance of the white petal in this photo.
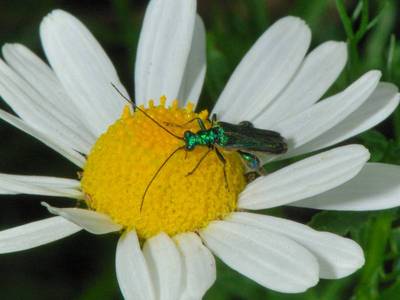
(271, 260)
(265, 70)
(165, 265)
(376, 187)
(56, 145)
(39, 75)
(318, 72)
(378, 107)
(324, 115)
(83, 68)
(28, 104)
(195, 72)
(55, 182)
(40, 185)
(91, 221)
(163, 50)
(36, 234)
(337, 256)
(132, 271)
(4, 191)
(36, 86)
(199, 265)
(306, 178)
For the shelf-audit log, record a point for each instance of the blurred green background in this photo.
(82, 266)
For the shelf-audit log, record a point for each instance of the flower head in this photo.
(139, 175)
(173, 203)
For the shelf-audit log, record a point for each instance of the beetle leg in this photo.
(79, 174)
(157, 172)
(246, 124)
(213, 119)
(201, 124)
(199, 162)
(223, 160)
(253, 175)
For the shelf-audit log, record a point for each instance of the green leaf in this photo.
(312, 11)
(391, 293)
(230, 283)
(258, 11)
(377, 144)
(377, 238)
(339, 222)
(392, 154)
(380, 36)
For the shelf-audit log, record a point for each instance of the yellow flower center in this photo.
(124, 160)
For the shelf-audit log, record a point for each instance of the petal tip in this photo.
(45, 204)
(375, 74)
(361, 149)
(293, 21)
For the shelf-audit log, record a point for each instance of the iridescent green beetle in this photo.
(244, 138)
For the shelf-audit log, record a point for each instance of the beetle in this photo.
(243, 137)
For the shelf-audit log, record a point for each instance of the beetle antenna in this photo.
(157, 172)
(145, 113)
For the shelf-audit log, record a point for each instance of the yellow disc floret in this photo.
(124, 160)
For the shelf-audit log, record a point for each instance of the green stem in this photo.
(378, 237)
(389, 62)
(364, 20)
(348, 27)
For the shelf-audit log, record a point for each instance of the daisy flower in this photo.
(165, 248)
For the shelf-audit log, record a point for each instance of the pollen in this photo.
(124, 160)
